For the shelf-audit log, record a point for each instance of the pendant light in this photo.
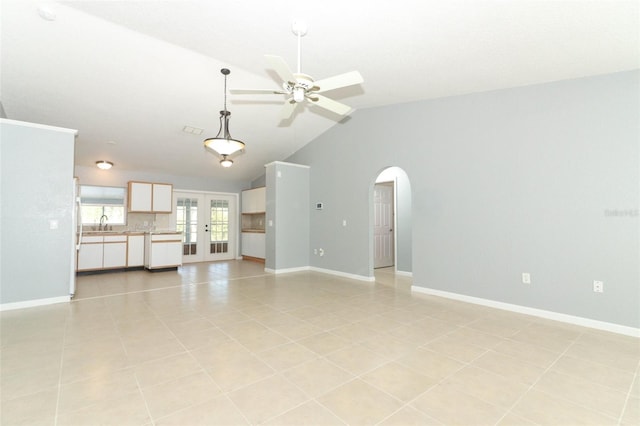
(223, 144)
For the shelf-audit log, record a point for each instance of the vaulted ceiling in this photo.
(130, 75)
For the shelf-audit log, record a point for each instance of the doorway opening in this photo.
(391, 240)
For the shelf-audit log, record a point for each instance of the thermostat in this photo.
(318, 206)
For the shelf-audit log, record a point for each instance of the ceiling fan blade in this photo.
(256, 92)
(330, 104)
(338, 81)
(281, 67)
(288, 109)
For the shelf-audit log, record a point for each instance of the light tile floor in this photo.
(227, 344)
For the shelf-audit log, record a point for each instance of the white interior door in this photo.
(383, 223)
(209, 226)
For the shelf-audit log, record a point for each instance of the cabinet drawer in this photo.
(115, 238)
(166, 238)
(92, 239)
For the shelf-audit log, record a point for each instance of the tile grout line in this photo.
(510, 409)
(64, 337)
(224, 393)
(144, 399)
(626, 401)
(167, 287)
(407, 404)
(155, 314)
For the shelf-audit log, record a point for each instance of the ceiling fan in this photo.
(299, 87)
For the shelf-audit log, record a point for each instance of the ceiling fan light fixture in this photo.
(223, 143)
(104, 165)
(298, 94)
(298, 87)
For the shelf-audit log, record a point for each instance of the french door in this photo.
(209, 226)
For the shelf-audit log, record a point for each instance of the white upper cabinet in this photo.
(254, 200)
(162, 198)
(146, 197)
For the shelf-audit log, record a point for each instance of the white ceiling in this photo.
(129, 75)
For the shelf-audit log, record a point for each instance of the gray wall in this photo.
(259, 181)
(404, 227)
(36, 168)
(540, 179)
(287, 198)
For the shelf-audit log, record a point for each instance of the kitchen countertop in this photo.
(130, 232)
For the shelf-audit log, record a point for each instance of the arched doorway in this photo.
(391, 228)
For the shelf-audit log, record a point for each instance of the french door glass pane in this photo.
(187, 223)
(219, 242)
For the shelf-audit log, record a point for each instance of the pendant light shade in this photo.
(223, 144)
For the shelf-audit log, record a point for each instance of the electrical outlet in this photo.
(315, 251)
(598, 286)
(321, 251)
(526, 278)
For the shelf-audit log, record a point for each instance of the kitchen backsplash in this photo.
(143, 222)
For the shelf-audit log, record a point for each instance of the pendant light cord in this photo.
(225, 93)
(299, 50)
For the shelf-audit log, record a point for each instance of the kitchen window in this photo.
(99, 201)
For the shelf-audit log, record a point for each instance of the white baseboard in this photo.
(556, 316)
(286, 270)
(321, 270)
(404, 273)
(342, 274)
(33, 303)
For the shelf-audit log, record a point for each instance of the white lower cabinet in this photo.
(163, 251)
(104, 252)
(153, 251)
(253, 244)
(135, 250)
(114, 254)
(90, 253)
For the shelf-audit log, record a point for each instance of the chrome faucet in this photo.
(103, 224)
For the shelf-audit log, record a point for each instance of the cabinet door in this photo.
(114, 255)
(260, 199)
(244, 201)
(140, 194)
(90, 256)
(135, 250)
(254, 200)
(246, 243)
(248, 201)
(162, 198)
(174, 253)
(253, 244)
(260, 246)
